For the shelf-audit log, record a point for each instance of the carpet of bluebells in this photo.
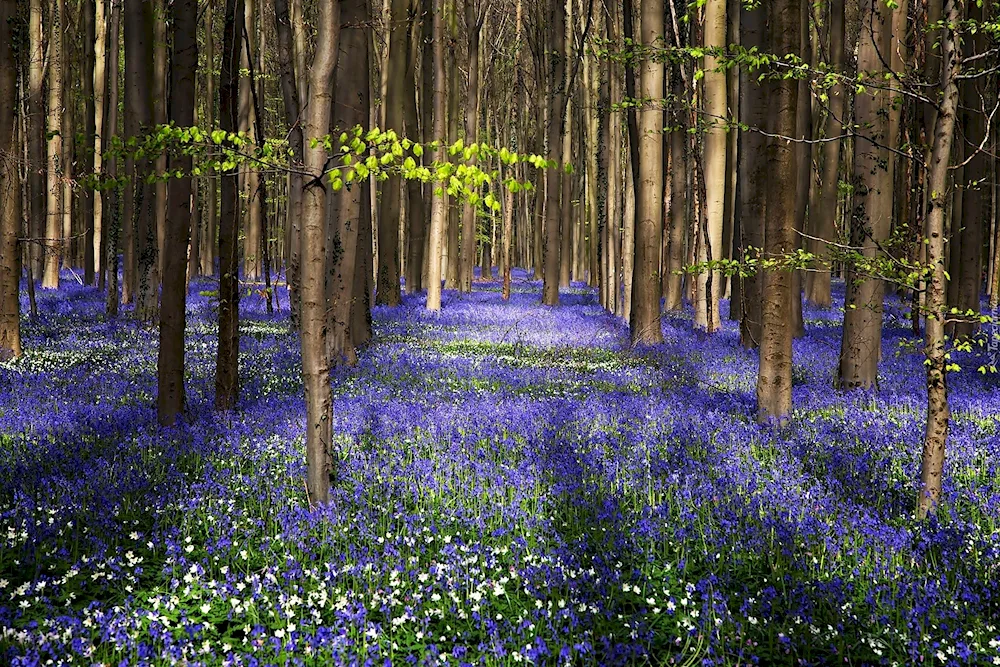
(515, 486)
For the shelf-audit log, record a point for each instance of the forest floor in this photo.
(514, 485)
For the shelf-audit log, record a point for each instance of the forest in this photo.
(494, 332)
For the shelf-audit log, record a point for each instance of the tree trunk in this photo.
(976, 185)
(252, 259)
(210, 227)
(10, 189)
(673, 293)
(938, 414)
(645, 318)
(553, 176)
(227, 385)
(53, 226)
(110, 209)
(37, 169)
(439, 194)
(313, 323)
(467, 259)
(387, 292)
(861, 345)
(753, 177)
(452, 248)
(160, 66)
(568, 215)
(822, 221)
(350, 109)
(803, 161)
(774, 377)
(90, 49)
(416, 212)
(100, 84)
(707, 307)
(288, 77)
(170, 362)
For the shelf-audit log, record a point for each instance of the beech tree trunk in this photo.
(37, 165)
(553, 177)
(313, 323)
(100, 84)
(170, 360)
(53, 221)
(288, 77)
(439, 194)
(10, 189)
(387, 291)
(861, 344)
(938, 413)
(111, 208)
(87, 10)
(473, 27)
(674, 281)
(753, 176)
(227, 385)
(710, 283)
(416, 210)
(351, 108)
(774, 376)
(822, 221)
(975, 200)
(645, 318)
(209, 241)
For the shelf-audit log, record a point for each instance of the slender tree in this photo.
(822, 219)
(938, 413)
(416, 209)
(313, 321)
(170, 361)
(439, 200)
(774, 377)
(387, 291)
(645, 316)
(473, 27)
(710, 282)
(861, 344)
(53, 220)
(350, 109)
(554, 133)
(227, 359)
(110, 209)
(10, 188)
(37, 167)
(753, 173)
(288, 77)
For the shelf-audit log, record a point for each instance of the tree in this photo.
(710, 282)
(822, 219)
(54, 208)
(313, 321)
(111, 222)
(554, 134)
(87, 10)
(645, 316)
(10, 188)
(439, 197)
(37, 169)
(170, 361)
(473, 27)
(288, 77)
(416, 210)
(753, 173)
(100, 87)
(387, 290)
(139, 76)
(346, 207)
(861, 344)
(774, 376)
(938, 413)
(227, 386)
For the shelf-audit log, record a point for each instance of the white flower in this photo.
(205, 608)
